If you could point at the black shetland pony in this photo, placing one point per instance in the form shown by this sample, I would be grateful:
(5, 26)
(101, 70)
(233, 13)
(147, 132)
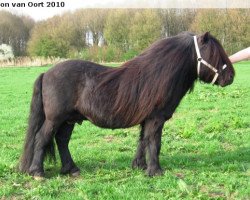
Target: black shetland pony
(145, 90)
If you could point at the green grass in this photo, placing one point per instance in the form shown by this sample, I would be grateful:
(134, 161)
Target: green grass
(205, 148)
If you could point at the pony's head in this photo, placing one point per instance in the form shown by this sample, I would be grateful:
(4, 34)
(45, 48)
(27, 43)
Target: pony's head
(213, 64)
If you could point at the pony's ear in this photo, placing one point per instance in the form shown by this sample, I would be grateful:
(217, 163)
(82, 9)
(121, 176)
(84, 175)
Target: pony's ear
(205, 37)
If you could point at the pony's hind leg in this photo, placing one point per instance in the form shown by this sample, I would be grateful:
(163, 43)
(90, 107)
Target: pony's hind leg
(140, 156)
(62, 139)
(42, 141)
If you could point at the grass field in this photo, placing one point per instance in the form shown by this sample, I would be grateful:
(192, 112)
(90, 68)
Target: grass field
(205, 148)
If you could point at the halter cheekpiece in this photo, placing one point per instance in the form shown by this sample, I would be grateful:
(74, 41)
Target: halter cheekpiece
(201, 60)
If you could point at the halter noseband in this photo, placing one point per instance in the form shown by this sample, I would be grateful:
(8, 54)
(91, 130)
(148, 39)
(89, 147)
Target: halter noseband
(201, 60)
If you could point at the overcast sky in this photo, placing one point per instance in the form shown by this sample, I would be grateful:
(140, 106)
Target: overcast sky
(70, 5)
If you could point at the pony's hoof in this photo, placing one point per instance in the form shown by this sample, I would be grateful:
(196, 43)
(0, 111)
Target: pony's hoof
(155, 172)
(73, 171)
(38, 178)
(36, 174)
(139, 164)
(75, 174)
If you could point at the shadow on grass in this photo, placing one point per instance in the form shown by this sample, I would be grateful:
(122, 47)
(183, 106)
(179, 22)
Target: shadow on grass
(220, 161)
(237, 160)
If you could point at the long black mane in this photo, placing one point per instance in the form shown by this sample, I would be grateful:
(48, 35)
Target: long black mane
(163, 71)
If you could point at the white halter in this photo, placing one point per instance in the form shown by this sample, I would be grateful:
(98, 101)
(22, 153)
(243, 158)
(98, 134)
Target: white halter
(201, 60)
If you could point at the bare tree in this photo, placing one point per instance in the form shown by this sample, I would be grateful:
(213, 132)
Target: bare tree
(14, 31)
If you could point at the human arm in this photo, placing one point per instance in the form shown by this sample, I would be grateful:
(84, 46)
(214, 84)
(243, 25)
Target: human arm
(240, 55)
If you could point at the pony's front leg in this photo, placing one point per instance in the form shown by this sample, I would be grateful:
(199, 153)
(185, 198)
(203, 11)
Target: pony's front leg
(140, 156)
(153, 133)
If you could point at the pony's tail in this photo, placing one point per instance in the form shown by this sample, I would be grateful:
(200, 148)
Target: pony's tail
(36, 120)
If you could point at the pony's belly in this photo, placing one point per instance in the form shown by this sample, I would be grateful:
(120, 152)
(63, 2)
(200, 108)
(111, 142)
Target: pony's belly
(107, 122)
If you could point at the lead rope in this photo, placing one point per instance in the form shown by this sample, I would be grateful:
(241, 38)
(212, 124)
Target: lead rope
(201, 60)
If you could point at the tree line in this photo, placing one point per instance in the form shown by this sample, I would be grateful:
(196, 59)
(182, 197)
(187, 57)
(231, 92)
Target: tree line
(118, 34)
(15, 31)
